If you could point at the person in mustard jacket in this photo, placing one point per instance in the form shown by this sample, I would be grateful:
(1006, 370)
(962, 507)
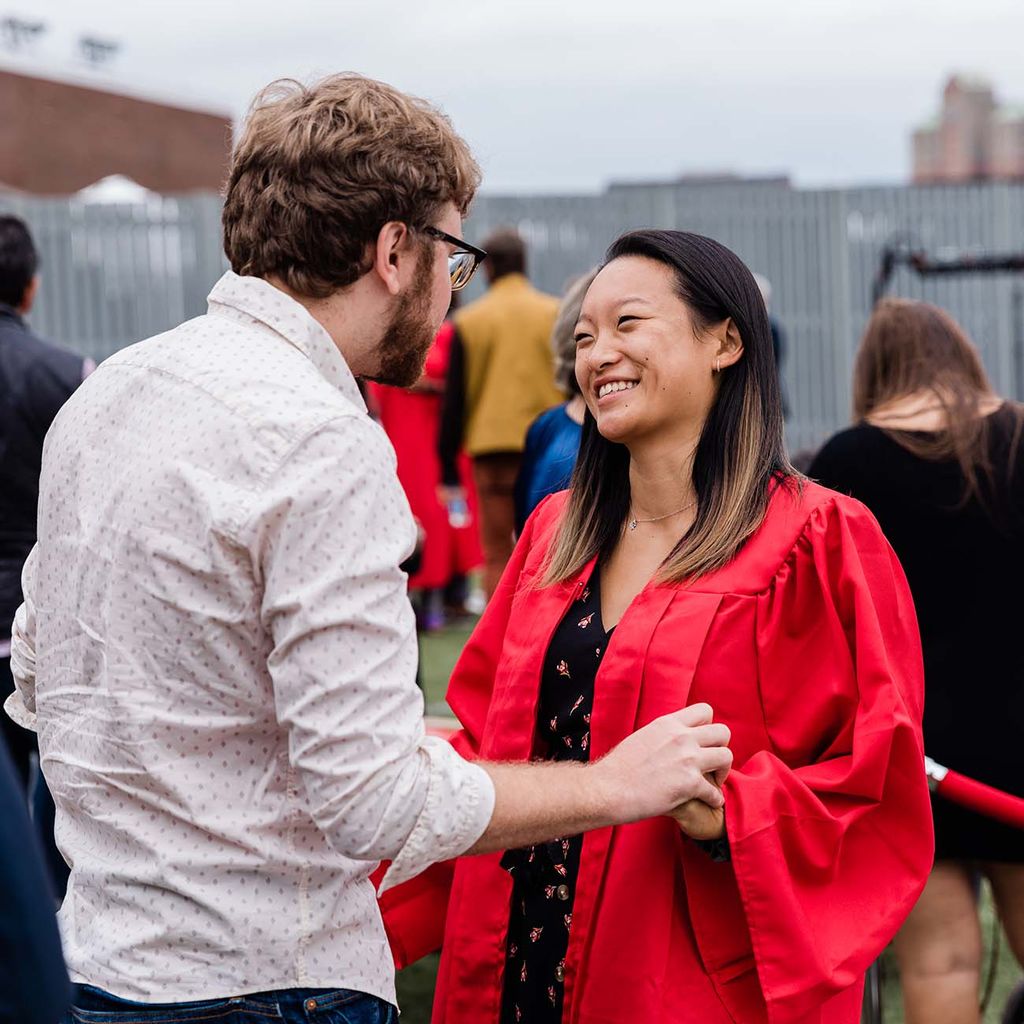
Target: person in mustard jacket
(500, 378)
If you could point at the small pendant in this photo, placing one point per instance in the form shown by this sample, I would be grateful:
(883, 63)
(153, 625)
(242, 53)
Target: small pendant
(632, 524)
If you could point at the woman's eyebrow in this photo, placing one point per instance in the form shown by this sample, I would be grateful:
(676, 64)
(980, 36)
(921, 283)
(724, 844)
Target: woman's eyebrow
(618, 304)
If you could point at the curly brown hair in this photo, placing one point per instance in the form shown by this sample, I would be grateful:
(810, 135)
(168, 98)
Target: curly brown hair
(319, 169)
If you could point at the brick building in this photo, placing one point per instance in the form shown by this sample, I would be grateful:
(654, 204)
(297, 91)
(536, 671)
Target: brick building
(59, 136)
(972, 139)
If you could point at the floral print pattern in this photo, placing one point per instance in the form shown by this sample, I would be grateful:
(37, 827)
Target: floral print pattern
(544, 876)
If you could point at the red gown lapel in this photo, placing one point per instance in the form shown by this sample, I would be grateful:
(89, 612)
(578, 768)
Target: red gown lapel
(509, 732)
(625, 672)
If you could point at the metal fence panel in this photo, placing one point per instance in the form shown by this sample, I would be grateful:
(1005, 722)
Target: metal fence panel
(115, 274)
(820, 249)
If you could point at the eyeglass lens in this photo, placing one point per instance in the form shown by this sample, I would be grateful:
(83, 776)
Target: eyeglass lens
(461, 266)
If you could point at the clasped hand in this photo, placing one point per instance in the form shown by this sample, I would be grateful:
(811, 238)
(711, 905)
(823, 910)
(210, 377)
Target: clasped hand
(674, 765)
(698, 820)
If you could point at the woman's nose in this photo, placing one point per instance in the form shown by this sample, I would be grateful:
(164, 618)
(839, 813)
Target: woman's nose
(603, 355)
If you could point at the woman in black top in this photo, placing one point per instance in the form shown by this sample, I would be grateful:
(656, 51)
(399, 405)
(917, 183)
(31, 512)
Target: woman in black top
(939, 460)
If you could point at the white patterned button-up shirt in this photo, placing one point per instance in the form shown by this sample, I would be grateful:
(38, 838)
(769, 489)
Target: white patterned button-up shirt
(218, 654)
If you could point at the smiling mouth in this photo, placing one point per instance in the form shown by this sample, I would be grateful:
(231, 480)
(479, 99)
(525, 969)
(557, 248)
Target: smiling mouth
(612, 387)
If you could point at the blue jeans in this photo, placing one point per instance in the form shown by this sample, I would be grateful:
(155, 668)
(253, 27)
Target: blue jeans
(292, 1006)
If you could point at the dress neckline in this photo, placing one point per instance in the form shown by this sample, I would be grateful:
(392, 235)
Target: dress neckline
(595, 585)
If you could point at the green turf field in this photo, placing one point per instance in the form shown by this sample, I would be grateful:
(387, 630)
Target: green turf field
(438, 653)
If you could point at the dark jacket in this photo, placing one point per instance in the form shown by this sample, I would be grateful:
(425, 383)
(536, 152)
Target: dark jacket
(34, 985)
(36, 379)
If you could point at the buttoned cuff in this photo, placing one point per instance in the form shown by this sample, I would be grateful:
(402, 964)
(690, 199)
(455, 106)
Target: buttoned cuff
(458, 808)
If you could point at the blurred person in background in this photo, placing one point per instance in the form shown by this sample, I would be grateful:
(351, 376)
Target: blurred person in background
(939, 458)
(778, 337)
(553, 440)
(411, 417)
(500, 377)
(36, 379)
(687, 562)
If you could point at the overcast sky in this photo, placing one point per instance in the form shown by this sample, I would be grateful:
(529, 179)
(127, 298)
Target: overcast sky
(567, 96)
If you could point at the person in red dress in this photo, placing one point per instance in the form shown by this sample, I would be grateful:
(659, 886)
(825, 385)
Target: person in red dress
(412, 418)
(689, 562)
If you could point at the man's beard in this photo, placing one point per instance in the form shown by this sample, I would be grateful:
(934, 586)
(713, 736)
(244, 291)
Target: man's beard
(403, 349)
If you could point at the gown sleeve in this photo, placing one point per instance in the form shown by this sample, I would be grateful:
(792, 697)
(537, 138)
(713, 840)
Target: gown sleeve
(414, 912)
(830, 827)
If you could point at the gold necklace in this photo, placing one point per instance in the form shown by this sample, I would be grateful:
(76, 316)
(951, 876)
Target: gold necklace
(655, 519)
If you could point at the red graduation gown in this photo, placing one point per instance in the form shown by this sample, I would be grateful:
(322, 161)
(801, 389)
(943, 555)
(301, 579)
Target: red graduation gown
(412, 421)
(806, 645)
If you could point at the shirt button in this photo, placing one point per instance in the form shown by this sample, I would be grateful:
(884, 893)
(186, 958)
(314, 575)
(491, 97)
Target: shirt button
(562, 892)
(559, 973)
(310, 1004)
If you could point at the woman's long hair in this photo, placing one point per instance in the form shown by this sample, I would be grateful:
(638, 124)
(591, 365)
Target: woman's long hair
(740, 451)
(916, 348)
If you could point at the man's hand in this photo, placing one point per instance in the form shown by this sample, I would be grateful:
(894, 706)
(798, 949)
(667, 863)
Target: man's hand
(661, 767)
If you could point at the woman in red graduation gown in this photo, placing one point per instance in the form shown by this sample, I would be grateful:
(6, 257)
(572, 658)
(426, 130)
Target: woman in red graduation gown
(688, 563)
(411, 418)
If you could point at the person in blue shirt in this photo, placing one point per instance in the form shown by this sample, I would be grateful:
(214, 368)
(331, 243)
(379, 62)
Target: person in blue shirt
(554, 436)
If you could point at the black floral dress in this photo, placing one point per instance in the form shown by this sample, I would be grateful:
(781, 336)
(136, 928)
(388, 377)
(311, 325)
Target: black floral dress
(544, 876)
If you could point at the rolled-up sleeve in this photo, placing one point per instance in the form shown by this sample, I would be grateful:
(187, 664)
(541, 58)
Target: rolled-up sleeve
(326, 539)
(21, 704)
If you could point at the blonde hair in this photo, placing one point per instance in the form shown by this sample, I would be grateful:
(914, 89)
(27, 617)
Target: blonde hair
(319, 169)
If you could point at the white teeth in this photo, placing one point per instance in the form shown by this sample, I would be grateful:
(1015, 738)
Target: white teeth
(615, 385)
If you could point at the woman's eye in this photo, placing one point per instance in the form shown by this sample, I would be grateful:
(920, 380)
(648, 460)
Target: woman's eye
(627, 319)
(581, 339)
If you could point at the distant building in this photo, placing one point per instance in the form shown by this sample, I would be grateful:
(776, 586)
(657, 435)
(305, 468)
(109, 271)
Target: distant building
(1008, 143)
(59, 136)
(972, 139)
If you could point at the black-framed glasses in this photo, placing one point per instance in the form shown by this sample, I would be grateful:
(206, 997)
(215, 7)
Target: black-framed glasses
(463, 262)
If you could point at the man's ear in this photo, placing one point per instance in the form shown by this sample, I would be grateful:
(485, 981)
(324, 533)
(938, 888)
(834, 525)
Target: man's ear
(730, 344)
(28, 298)
(393, 248)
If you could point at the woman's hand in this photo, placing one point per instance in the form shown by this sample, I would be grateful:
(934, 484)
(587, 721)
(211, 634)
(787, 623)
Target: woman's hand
(699, 821)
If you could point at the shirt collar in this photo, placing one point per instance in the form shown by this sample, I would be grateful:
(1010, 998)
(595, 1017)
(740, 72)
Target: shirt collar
(255, 300)
(10, 313)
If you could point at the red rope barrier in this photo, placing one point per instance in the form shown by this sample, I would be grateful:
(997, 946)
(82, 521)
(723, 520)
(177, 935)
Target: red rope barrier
(977, 796)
